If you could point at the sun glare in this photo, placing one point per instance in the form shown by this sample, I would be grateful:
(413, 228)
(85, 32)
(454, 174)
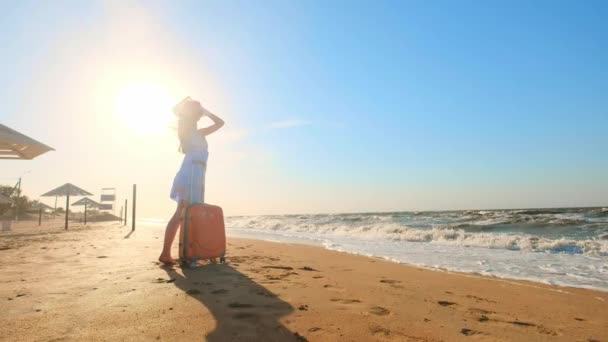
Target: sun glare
(144, 107)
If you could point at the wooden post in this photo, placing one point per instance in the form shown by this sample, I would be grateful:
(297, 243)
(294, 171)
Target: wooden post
(85, 212)
(126, 211)
(134, 204)
(40, 216)
(67, 209)
(17, 204)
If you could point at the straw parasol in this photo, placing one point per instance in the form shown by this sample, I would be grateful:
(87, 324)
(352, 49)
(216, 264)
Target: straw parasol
(68, 190)
(14, 145)
(44, 207)
(87, 202)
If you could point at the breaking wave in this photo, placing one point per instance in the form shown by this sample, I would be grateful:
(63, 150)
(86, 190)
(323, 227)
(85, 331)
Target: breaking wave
(571, 231)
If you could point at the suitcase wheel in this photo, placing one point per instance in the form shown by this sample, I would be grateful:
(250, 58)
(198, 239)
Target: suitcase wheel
(222, 260)
(192, 265)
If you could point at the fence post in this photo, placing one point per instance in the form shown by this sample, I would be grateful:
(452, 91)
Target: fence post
(67, 210)
(134, 205)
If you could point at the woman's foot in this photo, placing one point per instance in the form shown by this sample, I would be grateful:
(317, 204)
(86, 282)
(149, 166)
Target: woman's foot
(167, 260)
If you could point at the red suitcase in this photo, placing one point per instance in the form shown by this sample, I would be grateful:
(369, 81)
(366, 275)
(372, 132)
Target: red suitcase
(202, 234)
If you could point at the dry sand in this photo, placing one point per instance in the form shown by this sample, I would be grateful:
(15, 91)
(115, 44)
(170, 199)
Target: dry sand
(102, 283)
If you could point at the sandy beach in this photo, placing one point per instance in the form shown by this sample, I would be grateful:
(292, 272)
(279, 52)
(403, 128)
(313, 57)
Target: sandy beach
(103, 283)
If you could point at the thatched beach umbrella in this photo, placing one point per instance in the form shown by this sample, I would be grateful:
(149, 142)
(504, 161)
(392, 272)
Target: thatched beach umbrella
(14, 145)
(87, 202)
(44, 207)
(68, 190)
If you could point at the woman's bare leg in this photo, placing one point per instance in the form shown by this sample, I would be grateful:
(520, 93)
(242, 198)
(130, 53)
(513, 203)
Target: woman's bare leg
(170, 232)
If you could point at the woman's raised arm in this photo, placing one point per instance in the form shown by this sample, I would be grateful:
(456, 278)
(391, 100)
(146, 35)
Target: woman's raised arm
(217, 123)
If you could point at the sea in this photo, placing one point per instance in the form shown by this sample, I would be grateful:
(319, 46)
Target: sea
(560, 246)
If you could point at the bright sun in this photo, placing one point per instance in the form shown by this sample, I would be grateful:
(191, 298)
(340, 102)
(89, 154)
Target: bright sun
(144, 107)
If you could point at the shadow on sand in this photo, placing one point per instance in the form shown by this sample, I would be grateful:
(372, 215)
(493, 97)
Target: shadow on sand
(243, 309)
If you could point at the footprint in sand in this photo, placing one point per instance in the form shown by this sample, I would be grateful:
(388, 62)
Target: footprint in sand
(379, 330)
(445, 303)
(480, 311)
(280, 276)
(307, 268)
(523, 324)
(162, 281)
(480, 299)
(469, 332)
(345, 301)
(219, 291)
(303, 307)
(193, 292)
(392, 282)
(288, 268)
(379, 311)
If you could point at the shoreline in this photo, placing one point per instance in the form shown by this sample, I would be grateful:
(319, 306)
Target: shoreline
(103, 283)
(531, 283)
(507, 277)
(430, 268)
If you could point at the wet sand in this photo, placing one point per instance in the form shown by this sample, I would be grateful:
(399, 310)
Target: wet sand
(103, 283)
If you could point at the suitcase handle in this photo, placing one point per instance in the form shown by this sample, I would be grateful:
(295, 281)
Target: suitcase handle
(204, 164)
(185, 227)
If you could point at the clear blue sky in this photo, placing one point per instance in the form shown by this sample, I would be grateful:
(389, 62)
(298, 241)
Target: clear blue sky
(365, 105)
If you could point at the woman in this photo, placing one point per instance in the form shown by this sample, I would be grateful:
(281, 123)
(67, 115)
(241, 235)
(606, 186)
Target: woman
(189, 183)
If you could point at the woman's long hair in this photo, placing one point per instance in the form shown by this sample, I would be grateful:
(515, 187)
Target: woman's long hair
(187, 118)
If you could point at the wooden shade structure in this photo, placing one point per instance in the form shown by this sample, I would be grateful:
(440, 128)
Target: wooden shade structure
(44, 207)
(14, 145)
(68, 190)
(87, 202)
